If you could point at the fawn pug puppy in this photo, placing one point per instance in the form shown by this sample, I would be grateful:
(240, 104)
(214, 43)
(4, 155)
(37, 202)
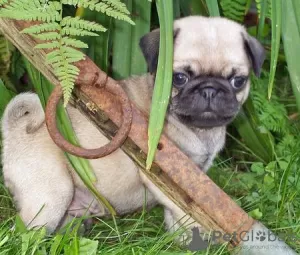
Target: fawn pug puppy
(213, 58)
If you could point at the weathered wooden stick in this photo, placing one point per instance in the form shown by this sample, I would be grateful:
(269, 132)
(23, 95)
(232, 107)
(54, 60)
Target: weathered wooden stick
(176, 175)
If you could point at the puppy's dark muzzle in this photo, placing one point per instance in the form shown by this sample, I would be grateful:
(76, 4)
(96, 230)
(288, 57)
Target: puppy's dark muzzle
(208, 93)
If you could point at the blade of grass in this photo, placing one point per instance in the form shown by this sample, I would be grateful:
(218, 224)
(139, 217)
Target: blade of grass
(163, 80)
(6, 96)
(142, 20)
(213, 7)
(291, 42)
(275, 45)
(262, 18)
(82, 166)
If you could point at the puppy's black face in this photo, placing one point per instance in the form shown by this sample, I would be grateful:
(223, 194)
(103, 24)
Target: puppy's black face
(206, 101)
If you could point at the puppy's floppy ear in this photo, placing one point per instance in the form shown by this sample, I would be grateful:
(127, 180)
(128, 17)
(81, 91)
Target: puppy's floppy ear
(256, 53)
(149, 44)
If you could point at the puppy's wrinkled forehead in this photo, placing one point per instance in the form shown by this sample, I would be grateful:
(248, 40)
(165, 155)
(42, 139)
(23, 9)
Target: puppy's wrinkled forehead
(210, 46)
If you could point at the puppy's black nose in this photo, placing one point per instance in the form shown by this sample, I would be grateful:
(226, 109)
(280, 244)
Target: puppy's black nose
(208, 92)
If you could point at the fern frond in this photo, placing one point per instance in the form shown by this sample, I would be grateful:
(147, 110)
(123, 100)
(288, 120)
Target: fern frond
(112, 9)
(57, 32)
(76, 22)
(234, 9)
(45, 27)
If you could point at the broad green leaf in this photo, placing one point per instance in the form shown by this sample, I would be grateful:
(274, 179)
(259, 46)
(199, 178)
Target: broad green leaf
(6, 96)
(88, 246)
(163, 80)
(262, 18)
(291, 43)
(276, 33)
(213, 7)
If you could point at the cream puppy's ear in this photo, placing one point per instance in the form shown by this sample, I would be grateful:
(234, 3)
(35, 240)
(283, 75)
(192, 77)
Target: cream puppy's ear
(255, 52)
(34, 169)
(149, 45)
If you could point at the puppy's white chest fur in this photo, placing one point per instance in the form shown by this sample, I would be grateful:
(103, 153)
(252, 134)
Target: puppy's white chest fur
(201, 145)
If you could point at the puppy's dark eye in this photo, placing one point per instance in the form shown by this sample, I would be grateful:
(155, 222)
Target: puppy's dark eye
(180, 79)
(238, 82)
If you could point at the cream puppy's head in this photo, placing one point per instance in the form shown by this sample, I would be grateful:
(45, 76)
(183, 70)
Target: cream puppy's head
(213, 58)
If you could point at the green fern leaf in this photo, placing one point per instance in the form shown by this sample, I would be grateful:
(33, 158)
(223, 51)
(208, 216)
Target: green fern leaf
(112, 10)
(49, 36)
(76, 22)
(45, 27)
(74, 43)
(77, 32)
(118, 5)
(234, 9)
(49, 45)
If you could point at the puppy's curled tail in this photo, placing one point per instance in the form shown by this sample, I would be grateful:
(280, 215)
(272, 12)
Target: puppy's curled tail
(23, 113)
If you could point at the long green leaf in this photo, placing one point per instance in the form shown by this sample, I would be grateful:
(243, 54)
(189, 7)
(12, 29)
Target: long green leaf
(128, 59)
(291, 43)
(213, 7)
(82, 166)
(142, 19)
(262, 18)
(276, 32)
(193, 7)
(6, 96)
(163, 81)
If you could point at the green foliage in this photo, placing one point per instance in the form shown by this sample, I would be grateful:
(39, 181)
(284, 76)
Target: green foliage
(163, 79)
(5, 55)
(260, 7)
(272, 114)
(58, 32)
(235, 10)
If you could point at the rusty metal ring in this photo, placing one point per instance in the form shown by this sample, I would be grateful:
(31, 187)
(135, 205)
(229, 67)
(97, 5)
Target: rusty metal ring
(103, 151)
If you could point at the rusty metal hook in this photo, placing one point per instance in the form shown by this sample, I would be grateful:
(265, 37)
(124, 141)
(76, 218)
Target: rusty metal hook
(103, 151)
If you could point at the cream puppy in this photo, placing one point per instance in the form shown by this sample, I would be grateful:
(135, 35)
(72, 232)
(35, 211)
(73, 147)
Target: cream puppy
(213, 58)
